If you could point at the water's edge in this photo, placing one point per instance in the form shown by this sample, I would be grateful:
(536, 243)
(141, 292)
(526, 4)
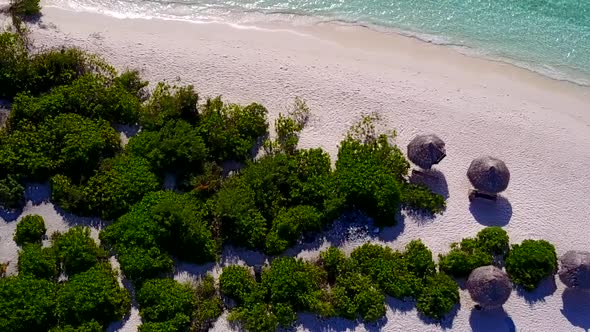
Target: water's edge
(253, 19)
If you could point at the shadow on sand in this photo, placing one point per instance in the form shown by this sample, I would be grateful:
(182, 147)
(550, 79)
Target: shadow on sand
(491, 320)
(576, 307)
(546, 288)
(490, 213)
(37, 193)
(434, 180)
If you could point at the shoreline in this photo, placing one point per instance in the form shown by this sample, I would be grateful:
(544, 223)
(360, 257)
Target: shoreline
(293, 21)
(538, 126)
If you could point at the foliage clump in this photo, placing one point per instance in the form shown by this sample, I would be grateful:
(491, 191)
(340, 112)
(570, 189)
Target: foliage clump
(119, 183)
(528, 263)
(440, 295)
(38, 262)
(12, 192)
(163, 223)
(93, 294)
(165, 305)
(76, 250)
(27, 304)
(489, 245)
(30, 229)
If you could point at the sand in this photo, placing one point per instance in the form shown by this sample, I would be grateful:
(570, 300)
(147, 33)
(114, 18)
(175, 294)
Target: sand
(539, 127)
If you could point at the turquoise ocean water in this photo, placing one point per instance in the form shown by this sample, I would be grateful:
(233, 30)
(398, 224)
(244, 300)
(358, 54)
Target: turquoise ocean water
(548, 36)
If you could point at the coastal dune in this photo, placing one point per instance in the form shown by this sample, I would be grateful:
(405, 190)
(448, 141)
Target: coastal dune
(538, 126)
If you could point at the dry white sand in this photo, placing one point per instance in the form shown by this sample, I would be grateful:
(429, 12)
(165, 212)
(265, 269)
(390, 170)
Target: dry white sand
(540, 127)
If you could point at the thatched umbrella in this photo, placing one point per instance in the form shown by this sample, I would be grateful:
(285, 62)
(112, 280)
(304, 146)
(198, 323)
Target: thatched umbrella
(574, 269)
(489, 286)
(426, 150)
(488, 174)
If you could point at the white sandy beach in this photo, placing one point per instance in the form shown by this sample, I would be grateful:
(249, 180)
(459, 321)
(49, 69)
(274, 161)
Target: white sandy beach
(538, 126)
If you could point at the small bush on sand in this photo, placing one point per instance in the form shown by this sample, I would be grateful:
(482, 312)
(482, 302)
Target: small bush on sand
(530, 262)
(440, 295)
(24, 8)
(30, 229)
(166, 302)
(38, 262)
(463, 258)
(494, 240)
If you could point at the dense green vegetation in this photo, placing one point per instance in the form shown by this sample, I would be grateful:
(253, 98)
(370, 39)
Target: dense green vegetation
(30, 229)
(471, 253)
(530, 262)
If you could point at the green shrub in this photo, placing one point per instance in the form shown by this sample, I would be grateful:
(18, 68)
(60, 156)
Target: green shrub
(162, 223)
(30, 229)
(169, 103)
(530, 262)
(176, 147)
(12, 193)
(419, 259)
(27, 304)
(119, 183)
(91, 326)
(14, 66)
(38, 262)
(463, 258)
(208, 306)
(76, 250)
(24, 7)
(494, 240)
(440, 295)
(419, 198)
(231, 131)
(166, 300)
(92, 295)
(355, 295)
(334, 262)
(256, 317)
(289, 225)
(237, 283)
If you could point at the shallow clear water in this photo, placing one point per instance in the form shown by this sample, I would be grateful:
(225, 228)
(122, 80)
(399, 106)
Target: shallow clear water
(549, 36)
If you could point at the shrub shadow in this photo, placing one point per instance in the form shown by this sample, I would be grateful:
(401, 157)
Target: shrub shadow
(398, 305)
(490, 213)
(10, 215)
(491, 320)
(232, 255)
(434, 180)
(546, 288)
(118, 325)
(128, 130)
(192, 269)
(74, 220)
(37, 193)
(312, 322)
(446, 322)
(576, 307)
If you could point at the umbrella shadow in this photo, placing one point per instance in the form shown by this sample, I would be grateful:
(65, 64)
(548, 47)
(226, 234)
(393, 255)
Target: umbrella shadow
(433, 179)
(491, 320)
(490, 213)
(576, 307)
(546, 288)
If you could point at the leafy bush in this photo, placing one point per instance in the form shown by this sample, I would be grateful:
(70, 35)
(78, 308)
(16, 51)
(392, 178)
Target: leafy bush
(24, 7)
(208, 306)
(68, 143)
(13, 64)
(176, 147)
(119, 183)
(440, 295)
(76, 250)
(166, 300)
(91, 326)
(30, 229)
(168, 103)
(530, 262)
(38, 262)
(92, 295)
(162, 223)
(463, 258)
(12, 193)
(420, 198)
(90, 95)
(365, 180)
(494, 240)
(256, 317)
(237, 283)
(355, 295)
(26, 304)
(231, 131)
(419, 259)
(334, 262)
(289, 225)
(388, 269)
